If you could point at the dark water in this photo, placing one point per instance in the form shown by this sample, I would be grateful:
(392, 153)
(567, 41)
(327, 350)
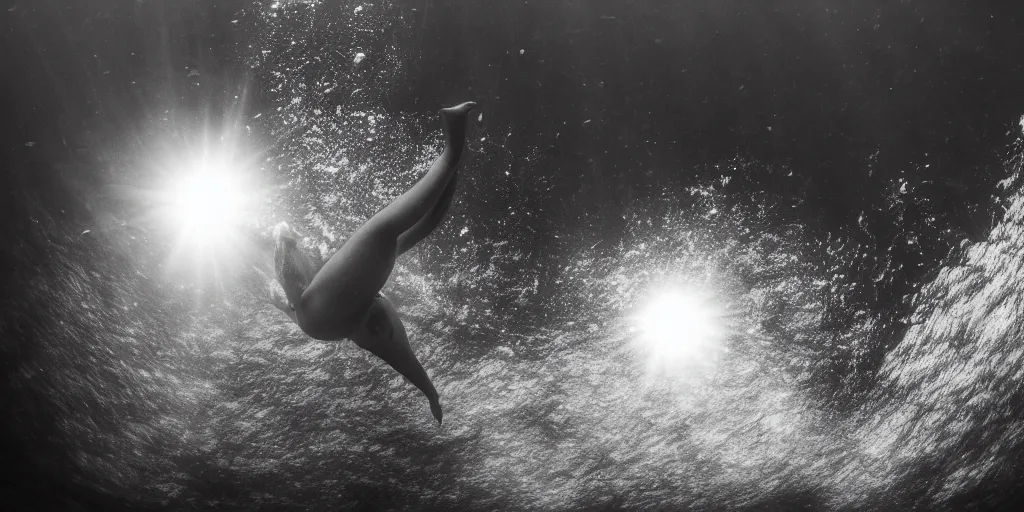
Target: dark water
(842, 180)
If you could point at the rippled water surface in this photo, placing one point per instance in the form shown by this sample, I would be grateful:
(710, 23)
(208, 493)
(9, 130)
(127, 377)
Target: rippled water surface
(843, 267)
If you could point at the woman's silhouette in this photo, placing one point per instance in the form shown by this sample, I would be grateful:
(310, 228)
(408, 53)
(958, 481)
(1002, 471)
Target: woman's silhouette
(342, 299)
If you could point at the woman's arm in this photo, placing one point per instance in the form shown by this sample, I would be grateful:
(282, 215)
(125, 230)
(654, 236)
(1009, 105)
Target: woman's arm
(281, 303)
(276, 298)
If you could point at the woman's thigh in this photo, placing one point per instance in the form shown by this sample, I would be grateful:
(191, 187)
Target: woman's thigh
(339, 294)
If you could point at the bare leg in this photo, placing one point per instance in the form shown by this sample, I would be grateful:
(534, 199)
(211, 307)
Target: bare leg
(419, 200)
(384, 336)
(339, 295)
(427, 224)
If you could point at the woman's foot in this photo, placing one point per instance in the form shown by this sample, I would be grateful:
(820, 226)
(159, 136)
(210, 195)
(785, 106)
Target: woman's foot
(455, 120)
(435, 409)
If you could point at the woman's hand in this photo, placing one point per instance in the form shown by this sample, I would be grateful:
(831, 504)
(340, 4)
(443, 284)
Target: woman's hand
(275, 297)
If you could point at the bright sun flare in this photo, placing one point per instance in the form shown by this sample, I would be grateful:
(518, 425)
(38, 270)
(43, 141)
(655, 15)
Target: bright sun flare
(206, 204)
(679, 328)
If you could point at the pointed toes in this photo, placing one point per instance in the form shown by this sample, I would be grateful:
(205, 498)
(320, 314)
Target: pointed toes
(435, 409)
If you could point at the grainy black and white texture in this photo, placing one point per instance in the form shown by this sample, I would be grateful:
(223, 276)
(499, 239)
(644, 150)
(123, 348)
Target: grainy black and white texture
(845, 177)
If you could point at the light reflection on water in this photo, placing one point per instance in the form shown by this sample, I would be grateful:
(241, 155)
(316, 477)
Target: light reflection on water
(548, 413)
(562, 413)
(584, 420)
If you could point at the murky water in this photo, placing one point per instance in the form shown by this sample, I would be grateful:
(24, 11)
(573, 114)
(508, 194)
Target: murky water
(145, 375)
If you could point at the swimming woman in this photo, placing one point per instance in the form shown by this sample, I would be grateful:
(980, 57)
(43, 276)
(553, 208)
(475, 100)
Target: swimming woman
(342, 298)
